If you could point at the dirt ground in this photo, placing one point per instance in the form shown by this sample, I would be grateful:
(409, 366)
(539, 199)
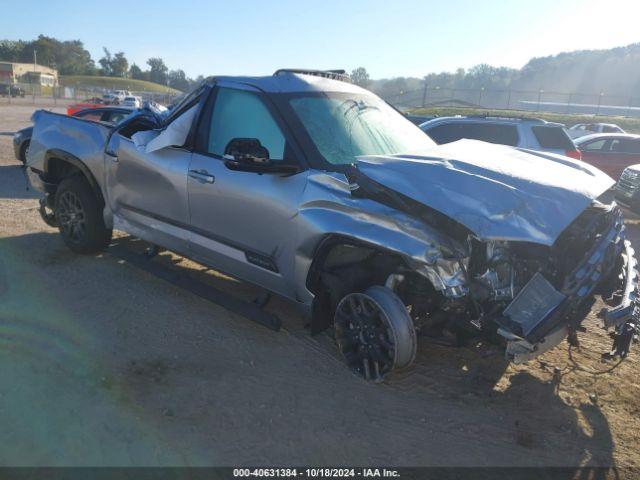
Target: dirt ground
(102, 363)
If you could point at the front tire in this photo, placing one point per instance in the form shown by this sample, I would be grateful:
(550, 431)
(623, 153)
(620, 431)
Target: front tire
(375, 333)
(79, 217)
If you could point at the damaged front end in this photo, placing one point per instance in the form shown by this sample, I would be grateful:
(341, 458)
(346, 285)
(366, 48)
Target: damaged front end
(527, 295)
(535, 296)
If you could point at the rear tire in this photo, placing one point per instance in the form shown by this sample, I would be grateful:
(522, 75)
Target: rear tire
(79, 217)
(375, 333)
(24, 150)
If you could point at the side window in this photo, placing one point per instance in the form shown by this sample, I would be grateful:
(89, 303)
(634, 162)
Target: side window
(242, 114)
(624, 145)
(494, 133)
(595, 146)
(89, 115)
(553, 137)
(445, 133)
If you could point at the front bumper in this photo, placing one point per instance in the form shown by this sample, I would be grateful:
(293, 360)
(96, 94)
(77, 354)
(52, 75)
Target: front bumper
(611, 259)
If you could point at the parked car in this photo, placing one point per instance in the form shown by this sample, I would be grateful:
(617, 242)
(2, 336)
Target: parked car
(419, 119)
(133, 102)
(628, 188)
(94, 102)
(108, 98)
(610, 152)
(120, 95)
(317, 190)
(529, 133)
(7, 90)
(582, 129)
(109, 115)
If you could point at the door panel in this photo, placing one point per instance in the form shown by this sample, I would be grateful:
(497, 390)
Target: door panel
(149, 190)
(613, 164)
(244, 223)
(611, 154)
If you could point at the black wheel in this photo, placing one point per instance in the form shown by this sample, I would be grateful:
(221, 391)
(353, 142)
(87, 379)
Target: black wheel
(24, 150)
(374, 333)
(79, 217)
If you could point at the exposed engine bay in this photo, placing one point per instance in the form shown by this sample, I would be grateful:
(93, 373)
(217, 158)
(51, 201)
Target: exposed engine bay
(522, 292)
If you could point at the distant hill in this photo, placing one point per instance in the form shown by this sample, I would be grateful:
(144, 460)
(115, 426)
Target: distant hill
(115, 83)
(614, 71)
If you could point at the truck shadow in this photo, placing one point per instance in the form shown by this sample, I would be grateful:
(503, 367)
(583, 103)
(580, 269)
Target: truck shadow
(451, 401)
(13, 183)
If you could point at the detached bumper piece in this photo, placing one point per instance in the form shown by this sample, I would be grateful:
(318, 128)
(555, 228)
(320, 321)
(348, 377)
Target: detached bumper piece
(611, 259)
(625, 318)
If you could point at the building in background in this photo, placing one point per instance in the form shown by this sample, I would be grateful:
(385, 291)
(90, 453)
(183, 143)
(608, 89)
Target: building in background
(28, 73)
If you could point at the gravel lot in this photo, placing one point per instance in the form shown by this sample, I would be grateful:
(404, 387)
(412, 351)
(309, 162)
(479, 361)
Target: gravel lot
(102, 363)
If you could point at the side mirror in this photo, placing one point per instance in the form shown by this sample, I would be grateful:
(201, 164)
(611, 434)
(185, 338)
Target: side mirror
(249, 155)
(247, 149)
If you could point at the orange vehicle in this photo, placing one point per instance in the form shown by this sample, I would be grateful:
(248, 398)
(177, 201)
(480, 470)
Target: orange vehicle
(94, 102)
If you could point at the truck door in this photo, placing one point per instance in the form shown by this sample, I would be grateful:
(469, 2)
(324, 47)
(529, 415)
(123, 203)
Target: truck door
(243, 222)
(147, 187)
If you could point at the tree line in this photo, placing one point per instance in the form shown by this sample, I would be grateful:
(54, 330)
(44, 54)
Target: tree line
(612, 72)
(70, 57)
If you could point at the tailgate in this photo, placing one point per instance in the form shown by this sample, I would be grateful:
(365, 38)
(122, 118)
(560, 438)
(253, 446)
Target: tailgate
(73, 136)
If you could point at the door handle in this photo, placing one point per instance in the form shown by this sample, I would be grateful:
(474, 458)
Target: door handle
(202, 176)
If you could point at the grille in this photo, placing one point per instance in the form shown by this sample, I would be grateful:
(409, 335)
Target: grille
(629, 181)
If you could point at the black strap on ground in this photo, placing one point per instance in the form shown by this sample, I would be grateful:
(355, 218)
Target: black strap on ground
(248, 310)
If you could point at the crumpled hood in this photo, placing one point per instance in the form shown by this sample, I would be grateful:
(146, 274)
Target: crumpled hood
(497, 192)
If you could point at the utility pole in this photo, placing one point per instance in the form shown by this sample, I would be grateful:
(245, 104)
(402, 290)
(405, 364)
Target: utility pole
(599, 103)
(539, 97)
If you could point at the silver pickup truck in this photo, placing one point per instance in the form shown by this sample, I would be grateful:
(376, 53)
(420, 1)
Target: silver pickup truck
(319, 191)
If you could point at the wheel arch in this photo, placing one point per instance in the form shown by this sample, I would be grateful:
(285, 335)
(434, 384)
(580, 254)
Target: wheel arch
(59, 164)
(324, 301)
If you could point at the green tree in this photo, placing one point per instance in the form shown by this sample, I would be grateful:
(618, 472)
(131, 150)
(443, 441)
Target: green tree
(136, 72)
(68, 57)
(157, 70)
(119, 65)
(106, 63)
(177, 79)
(360, 77)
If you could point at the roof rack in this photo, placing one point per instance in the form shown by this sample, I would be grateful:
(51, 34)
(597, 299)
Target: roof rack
(332, 74)
(506, 117)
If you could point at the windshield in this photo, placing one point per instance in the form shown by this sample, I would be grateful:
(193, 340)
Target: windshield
(343, 127)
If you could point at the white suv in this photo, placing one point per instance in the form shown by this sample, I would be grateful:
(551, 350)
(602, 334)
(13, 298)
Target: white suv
(529, 133)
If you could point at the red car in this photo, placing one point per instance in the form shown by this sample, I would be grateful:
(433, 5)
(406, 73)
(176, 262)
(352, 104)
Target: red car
(610, 152)
(94, 102)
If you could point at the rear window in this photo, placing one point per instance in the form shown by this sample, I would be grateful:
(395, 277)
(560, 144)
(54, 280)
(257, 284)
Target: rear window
(130, 99)
(553, 138)
(501, 133)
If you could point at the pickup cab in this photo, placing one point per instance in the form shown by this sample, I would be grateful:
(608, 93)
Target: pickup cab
(319, 191)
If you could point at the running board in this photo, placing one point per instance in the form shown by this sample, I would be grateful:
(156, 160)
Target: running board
(250, 310)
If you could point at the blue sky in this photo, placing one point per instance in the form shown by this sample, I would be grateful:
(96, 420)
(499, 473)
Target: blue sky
(389, 38)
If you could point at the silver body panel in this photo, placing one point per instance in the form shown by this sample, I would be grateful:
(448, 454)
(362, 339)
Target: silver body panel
(280, 220)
